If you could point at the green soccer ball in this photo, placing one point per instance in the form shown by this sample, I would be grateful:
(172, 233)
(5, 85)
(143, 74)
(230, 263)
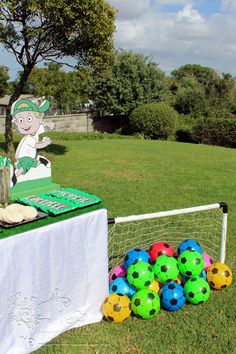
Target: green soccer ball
(197, 290)
(140, 274)
(166, 268)
(145, 304)
(191, 263)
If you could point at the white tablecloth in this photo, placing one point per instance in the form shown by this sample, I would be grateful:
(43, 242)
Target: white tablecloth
(52, 279)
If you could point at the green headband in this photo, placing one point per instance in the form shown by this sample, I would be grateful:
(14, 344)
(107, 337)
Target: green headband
(31, 106)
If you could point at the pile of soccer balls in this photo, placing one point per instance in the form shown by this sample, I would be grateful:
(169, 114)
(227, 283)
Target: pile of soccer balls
(159, 278)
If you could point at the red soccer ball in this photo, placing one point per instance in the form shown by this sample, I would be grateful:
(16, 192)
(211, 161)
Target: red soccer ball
(159, 249)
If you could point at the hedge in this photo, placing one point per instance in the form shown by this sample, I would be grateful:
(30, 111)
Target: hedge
(217, 131)
(153, 120)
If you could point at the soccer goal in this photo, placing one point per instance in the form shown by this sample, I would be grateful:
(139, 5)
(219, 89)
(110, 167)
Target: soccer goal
(207, 224)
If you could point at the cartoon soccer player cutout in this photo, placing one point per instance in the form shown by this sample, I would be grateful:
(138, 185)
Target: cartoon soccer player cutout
(28, 118)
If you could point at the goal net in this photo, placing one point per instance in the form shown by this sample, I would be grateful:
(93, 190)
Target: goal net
(207, 224)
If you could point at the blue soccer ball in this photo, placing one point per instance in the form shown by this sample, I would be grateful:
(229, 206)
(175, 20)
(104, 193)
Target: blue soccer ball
(172, 296)
(121, 286)
(135, 255)
(189, 245)
(184, 279)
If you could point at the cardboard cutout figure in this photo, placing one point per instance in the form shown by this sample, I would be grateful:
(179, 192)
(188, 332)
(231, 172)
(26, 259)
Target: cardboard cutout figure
(28, 118)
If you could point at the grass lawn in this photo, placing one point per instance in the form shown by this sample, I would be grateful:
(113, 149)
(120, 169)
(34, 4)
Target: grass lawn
(135, 176)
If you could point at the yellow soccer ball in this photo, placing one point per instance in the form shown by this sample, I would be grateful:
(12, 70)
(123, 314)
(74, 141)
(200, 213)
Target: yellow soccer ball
(117, 307)
(219, 276)
(154, 285)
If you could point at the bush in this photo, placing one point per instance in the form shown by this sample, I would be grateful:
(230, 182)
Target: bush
(218, 131)
(154, 120)
(184, 127)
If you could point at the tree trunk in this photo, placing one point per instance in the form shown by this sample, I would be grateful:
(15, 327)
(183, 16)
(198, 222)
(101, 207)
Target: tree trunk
(16, 94)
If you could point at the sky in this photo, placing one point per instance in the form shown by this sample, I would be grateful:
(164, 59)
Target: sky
(173, 33)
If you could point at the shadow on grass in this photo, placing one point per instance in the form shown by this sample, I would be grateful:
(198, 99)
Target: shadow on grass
(3, 145)
(55, 149)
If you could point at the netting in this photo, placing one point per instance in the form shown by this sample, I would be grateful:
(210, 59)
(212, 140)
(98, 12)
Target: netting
(202, 226)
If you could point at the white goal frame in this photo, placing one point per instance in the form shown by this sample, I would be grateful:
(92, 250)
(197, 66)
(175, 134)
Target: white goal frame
(223, 206)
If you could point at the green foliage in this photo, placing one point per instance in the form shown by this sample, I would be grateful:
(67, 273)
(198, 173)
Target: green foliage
(154, 120)
(53, 82)
(215, 132)
(203, 75)
(184, 125)
(34, 30)
(4, 77)
(200, 91)
(133, 79)
(190, 97)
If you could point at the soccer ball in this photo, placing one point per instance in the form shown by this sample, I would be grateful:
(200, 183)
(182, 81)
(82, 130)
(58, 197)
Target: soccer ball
(166, 268)
(189, 245)
(154, 286)
(140, 275)
(172, 296)
(159, 249)
(191, 263)
(219, 276)
(208, 261)
(121, 286)
(197, 290)
(135, 255)
(116, 272)
(184, 279)
(117, 308)
(145, 304)
(178, 279)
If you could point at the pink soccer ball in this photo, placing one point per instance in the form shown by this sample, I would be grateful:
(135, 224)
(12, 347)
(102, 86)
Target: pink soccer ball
(207, 261)
(116, 272)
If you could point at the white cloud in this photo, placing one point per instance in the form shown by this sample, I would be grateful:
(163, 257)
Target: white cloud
(171, 2)
(130, 9)
(228, 5)
(188, 14)
(178, 38)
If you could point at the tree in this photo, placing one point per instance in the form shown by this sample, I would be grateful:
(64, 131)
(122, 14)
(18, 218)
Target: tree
(201, 74)
(190, 97)
(133, 79)
(36, 30)
(200, 90)
(4, 77)
(62, 87)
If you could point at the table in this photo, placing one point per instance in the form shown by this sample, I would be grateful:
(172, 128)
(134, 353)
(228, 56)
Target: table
(52, 278)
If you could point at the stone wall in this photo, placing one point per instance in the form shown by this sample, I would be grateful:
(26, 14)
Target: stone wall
(82, 122)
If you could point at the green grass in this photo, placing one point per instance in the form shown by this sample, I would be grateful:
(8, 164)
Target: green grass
(141, 176)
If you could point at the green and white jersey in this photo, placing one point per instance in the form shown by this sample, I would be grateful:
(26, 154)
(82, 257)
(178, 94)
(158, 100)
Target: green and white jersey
(27, 146)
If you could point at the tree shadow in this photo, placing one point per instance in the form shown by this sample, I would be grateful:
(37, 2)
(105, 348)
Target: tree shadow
(55, 149)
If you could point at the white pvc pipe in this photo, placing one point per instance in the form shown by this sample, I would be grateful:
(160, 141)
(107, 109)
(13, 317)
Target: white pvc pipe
(168, 213)
(223, 237)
